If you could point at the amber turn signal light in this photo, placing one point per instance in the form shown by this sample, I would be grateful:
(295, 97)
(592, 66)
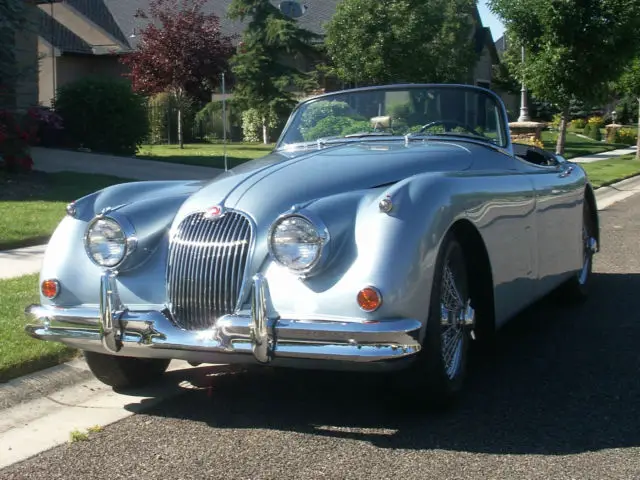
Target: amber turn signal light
(50, 288)
(369, 299)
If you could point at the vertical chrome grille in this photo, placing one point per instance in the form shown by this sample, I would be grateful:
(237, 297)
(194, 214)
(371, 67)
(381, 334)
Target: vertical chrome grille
(207, 261)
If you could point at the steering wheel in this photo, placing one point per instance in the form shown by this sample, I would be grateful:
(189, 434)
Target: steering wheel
(449, 125)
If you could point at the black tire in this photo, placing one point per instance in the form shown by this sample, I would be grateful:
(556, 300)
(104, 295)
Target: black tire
(439, 382)
(576, 289)
(123, 372)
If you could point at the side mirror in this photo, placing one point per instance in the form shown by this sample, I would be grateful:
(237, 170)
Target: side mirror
(560, 159)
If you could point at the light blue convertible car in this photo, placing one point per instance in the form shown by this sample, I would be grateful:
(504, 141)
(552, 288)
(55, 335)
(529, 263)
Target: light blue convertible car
(389, 228)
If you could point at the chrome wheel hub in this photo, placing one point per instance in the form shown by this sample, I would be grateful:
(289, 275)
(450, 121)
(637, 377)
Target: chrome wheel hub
(456, 317)
(590, 247)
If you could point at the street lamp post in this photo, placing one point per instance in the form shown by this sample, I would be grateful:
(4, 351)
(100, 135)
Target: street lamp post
(524, 110)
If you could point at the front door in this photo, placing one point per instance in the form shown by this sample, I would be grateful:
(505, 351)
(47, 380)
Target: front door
(559, 195)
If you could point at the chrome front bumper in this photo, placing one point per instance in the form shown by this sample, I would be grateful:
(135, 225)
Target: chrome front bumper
(259, 335)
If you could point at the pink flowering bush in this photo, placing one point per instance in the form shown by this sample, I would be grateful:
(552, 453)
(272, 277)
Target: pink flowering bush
(18, 133)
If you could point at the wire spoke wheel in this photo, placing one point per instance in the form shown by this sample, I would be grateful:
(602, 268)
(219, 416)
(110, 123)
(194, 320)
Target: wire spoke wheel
(456, 317)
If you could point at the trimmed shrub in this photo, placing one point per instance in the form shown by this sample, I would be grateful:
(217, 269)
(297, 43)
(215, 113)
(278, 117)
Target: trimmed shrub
(592, 131)
(104, 115)
(208, 124)
(336, 126)
(320, 110)
(252, 125)
(626, 136)
(578, 123)
(527, 139)
(596, 121)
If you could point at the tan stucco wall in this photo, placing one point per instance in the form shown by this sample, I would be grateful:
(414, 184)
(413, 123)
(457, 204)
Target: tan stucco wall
(70, 68)
(45, 73)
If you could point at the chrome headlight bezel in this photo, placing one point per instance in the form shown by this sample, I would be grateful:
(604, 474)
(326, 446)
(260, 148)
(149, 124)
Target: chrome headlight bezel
(323, 235)
(130, 238)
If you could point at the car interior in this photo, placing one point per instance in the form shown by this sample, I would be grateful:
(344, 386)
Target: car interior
(533, 154)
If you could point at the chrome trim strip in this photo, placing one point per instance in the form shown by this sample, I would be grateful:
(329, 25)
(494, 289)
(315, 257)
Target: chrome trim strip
(110, 307)
(262, 321)
(259, 334)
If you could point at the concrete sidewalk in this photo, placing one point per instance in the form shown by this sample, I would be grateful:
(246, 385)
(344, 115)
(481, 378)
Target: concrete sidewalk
(596, 157)
(21, 261)
(55, 160)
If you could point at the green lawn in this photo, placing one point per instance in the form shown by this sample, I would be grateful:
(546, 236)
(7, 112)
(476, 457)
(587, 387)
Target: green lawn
(19, 353)
(32, 205)
(576, 146)
(606, 172)
(205, 154)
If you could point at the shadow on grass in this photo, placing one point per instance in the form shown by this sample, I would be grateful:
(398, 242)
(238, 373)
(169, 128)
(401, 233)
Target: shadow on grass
(213, 161)
(42, 197)
(32, 365)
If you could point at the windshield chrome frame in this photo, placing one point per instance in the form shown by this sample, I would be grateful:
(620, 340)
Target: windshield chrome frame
(507, 149)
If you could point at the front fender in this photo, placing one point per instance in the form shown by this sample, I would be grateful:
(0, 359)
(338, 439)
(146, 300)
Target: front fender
(394, 252)
(150, 207)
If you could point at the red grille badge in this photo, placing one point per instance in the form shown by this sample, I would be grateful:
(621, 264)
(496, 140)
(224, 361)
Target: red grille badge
(213, 213)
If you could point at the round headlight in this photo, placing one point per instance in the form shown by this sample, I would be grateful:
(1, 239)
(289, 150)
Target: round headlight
(106, 242)
(296, 242)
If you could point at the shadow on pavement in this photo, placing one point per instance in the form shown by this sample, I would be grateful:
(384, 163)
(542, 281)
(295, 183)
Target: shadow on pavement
(560, 380)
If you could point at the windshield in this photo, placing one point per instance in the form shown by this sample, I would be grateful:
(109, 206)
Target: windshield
(417, 110)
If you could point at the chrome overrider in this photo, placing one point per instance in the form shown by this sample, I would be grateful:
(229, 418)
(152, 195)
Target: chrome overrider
(252, 335)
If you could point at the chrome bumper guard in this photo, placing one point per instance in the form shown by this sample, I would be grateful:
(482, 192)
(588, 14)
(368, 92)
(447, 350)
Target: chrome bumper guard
(115, 329)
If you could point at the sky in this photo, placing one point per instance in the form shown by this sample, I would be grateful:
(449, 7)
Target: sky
(490, 20)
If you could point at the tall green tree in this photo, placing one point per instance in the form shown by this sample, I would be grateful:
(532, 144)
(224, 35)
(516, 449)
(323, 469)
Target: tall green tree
(371, 42)
(573, 48)
(629, 83)
(265, 72)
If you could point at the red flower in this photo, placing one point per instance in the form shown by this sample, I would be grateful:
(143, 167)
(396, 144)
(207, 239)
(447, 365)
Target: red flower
(24, 136)
(26, 162)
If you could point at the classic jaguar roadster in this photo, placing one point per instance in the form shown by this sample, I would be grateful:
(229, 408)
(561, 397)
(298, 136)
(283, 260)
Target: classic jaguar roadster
(390, 227)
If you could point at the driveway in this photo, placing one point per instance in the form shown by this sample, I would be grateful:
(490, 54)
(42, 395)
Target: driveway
(54, 160)
(558, 397)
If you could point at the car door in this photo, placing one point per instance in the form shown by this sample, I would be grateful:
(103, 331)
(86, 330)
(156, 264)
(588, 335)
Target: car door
(504, 212)
(559, 191)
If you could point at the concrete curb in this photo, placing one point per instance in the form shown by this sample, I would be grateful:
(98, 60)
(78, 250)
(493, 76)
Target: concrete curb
(43, 383)
(607, 196)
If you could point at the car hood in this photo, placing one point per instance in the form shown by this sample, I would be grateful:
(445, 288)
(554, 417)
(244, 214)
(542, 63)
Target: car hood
(274, 183)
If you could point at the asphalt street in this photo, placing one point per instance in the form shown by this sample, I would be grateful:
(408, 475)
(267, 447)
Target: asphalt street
(558, 397)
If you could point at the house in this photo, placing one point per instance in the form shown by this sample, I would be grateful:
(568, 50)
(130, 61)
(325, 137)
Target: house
(78, 38)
